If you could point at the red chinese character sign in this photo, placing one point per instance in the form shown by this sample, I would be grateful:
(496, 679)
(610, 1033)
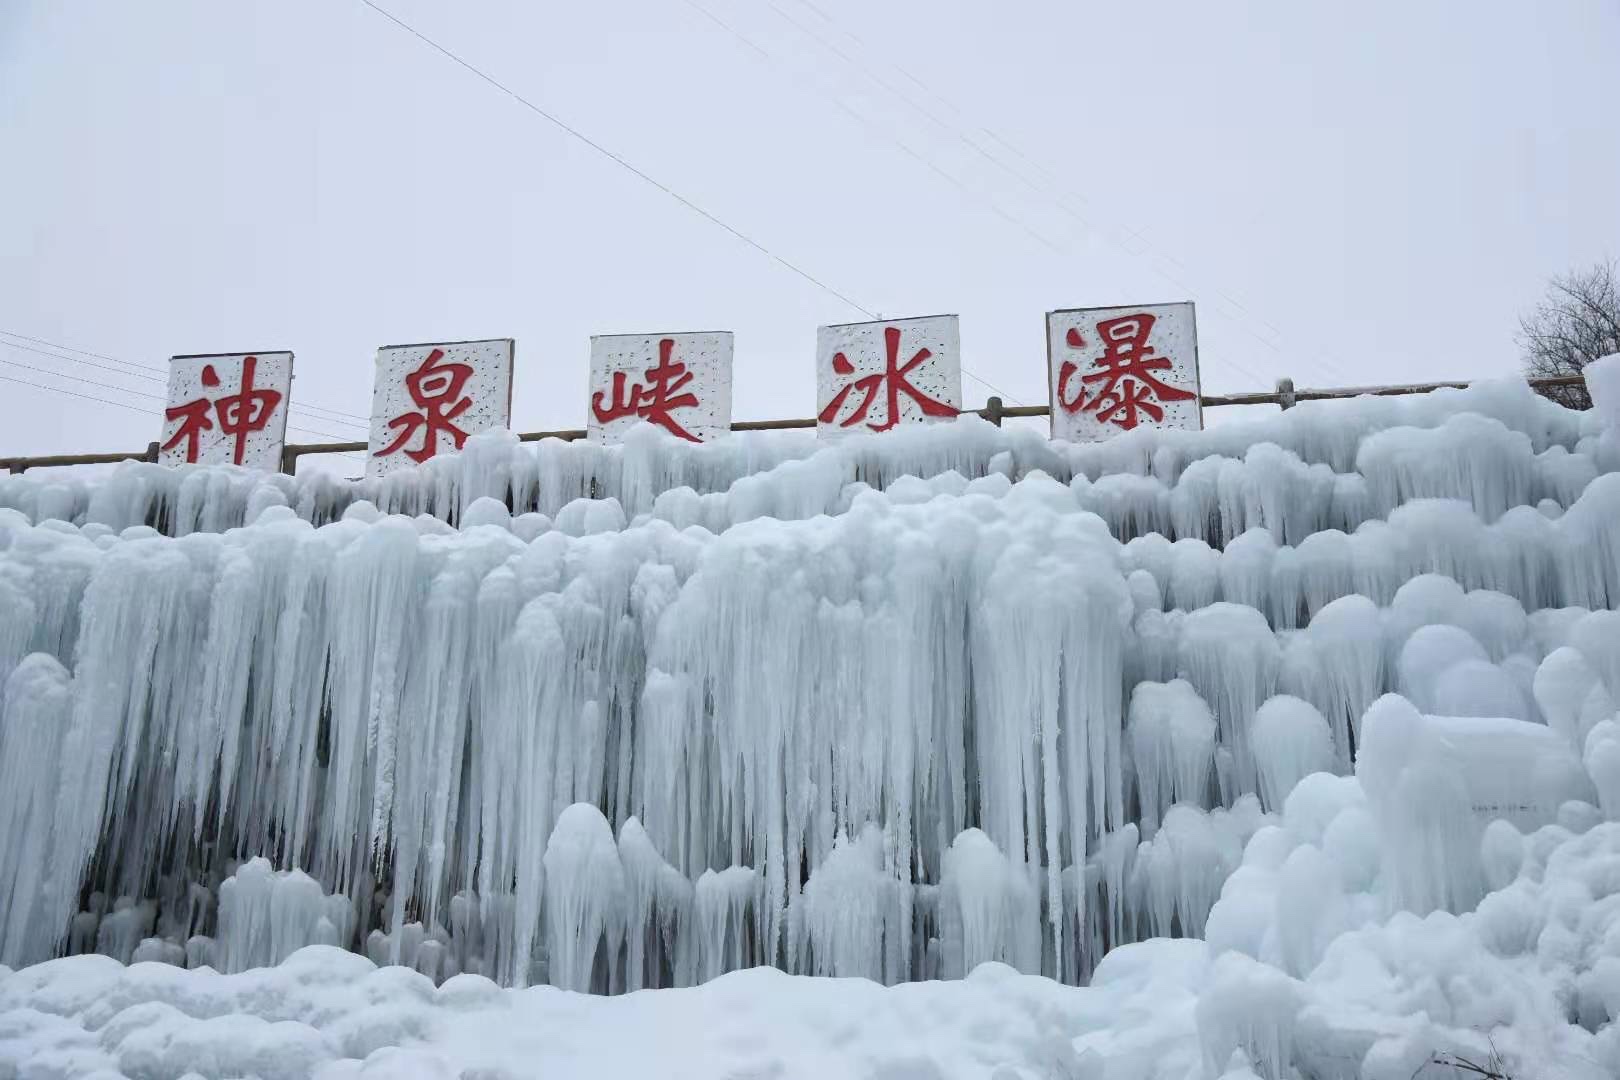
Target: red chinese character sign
(427, 399)
(227, 409)
(678, 382)
(874, 376)
(1113, 370)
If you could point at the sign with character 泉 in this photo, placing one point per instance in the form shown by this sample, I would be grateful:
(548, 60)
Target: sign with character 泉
(227, 409)
(1114, 369)
(873, 376)
(428, 398)
(679, 382)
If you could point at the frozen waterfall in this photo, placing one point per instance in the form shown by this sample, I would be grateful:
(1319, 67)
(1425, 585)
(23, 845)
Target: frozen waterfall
(613, 718)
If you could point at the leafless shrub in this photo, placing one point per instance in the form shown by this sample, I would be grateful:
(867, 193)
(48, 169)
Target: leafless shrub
(1577, 322)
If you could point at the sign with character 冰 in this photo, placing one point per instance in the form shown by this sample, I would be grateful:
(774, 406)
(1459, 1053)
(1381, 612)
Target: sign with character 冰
(227, 409)
(1115, 369)
(428, 398)
(873, 376)
(678, 382)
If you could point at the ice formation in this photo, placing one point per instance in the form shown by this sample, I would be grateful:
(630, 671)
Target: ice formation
(615, 718)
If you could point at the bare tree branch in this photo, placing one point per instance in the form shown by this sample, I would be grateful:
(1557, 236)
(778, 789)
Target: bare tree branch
(1493, 1069)
(1577, 322)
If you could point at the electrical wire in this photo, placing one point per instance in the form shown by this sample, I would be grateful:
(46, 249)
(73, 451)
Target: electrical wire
(574, 132)
(337, 415)
(119, 404)
(1123, 229)
(950, 178)
(137, 393)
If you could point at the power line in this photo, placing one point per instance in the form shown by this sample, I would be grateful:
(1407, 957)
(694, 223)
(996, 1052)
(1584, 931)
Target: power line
(915, 155)
(895, 140)
(87, 382)
(1056, 199)
(948, 177)
(81, 352)
(1128, 232)
(115, 404)
(131, 375)
(337, 415)
(70, 393)
(620, 161)
(137, 393)
(86, 363)
(615, 158)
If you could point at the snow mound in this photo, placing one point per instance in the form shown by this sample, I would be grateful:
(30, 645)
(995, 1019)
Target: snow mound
(330, 1014)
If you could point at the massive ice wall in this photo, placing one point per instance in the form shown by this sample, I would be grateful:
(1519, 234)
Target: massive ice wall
(614, 718)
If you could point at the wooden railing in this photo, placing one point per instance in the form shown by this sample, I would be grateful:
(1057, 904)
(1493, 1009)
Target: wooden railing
(994, 411)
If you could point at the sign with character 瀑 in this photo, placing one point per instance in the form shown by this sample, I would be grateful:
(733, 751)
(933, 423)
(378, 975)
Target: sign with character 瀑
(678, 382)
(874, 376)
(227, 409)
(428, 398)
(1114, 369)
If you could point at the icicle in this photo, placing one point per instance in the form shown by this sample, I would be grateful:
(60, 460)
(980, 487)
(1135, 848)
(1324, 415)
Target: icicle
(1229, 655)
(1291, 740)
(1346, 638)
(848, 909)
(40, 877)
(1602, 760)
(1252, 1008)
(989, 908)
(1435, 782)
(266, 915)
(585, 896)
(721, 904)
(658, 909)
(1172, 738)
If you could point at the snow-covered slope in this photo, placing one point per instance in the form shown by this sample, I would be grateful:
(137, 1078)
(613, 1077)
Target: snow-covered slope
(1334, 691)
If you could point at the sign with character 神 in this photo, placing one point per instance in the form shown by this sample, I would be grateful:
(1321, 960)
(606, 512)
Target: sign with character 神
(428, 398)
(679, 382)
(1115, 369)
(227, 409)
(873, 376)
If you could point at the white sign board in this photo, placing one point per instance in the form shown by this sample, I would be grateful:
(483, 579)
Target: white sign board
(1114, 369)
(872, 376)
(680, 382)
(227, 409)
(428, 398)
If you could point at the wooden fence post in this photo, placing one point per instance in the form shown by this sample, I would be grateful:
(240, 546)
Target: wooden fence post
(1285, 392)
(992, 411)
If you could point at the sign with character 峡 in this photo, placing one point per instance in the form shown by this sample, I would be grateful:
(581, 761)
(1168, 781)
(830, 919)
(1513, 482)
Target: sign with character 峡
(678, 382)
(227, 409)
(1115, 369)
(428, 398)
(874, 376)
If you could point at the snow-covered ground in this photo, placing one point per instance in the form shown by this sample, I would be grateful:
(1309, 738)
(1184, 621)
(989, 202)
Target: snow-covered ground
(1289, 748)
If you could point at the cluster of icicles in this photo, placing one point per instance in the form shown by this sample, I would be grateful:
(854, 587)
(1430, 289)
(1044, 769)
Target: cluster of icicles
(616, 718)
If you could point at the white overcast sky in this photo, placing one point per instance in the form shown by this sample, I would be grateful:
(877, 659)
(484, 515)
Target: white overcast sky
(1352, 193)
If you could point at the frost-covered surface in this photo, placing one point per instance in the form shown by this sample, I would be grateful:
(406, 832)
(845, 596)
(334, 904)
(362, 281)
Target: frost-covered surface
(1322, 465)
(1334, 691)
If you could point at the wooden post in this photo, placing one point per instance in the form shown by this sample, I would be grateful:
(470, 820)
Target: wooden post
(152, 451)
(1285, 393)
(992, 411)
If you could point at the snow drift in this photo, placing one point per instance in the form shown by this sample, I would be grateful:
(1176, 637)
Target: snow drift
(1335, 691)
